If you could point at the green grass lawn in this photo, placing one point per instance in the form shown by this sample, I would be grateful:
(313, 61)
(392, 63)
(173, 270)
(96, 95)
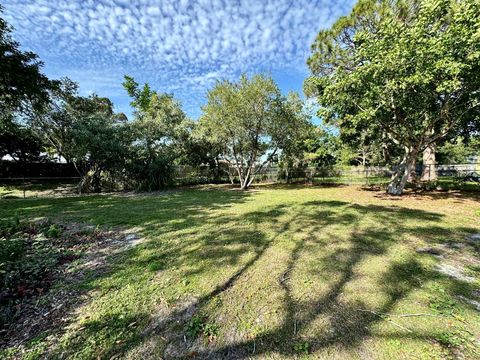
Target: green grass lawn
(275, 272)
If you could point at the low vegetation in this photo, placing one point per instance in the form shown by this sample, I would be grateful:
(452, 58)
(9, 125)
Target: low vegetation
(309, 267)
(393, 82)
(280, 272)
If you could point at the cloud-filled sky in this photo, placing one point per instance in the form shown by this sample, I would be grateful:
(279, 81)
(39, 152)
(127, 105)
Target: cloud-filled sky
(178, 46)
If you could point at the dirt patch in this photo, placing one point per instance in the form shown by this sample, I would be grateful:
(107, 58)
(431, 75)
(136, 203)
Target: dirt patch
(458, 261)
(454, 271)
(169, 323)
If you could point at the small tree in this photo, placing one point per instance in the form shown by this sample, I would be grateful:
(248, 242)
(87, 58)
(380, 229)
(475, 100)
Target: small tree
(98, 149)
(408, 68)
(252, 121)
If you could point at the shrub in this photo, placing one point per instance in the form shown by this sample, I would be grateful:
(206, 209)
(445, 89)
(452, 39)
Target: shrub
(11, 226)
(53, 231)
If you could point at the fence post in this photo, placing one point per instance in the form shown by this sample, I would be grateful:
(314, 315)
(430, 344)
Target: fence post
(24, 187)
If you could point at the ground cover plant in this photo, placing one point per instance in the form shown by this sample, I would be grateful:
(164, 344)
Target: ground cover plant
(275, 272)
(42, 267)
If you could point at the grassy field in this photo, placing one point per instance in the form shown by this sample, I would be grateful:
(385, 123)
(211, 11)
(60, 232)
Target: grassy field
(275, 272)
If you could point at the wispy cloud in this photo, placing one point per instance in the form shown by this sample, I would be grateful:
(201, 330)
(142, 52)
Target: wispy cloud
(179, 46)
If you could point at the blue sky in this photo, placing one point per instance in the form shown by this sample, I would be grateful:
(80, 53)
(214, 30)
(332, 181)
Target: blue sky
(178, 46)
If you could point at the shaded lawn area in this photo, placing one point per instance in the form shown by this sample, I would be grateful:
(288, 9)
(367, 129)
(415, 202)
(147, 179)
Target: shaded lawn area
(275, 272)
(37, 188)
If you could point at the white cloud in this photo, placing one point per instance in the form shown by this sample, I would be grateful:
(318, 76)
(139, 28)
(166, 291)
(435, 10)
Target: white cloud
(175, 44)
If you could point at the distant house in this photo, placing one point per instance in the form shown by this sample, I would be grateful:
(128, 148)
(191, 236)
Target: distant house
(474, 160)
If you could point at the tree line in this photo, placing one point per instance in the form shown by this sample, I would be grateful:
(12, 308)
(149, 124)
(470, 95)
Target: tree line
(395, 82)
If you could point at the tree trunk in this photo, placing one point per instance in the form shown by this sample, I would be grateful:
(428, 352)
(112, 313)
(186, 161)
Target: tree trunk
(402, 173)
(231, 175)
(429, 172)
(245, 182)
(412, 177)
(96, 180)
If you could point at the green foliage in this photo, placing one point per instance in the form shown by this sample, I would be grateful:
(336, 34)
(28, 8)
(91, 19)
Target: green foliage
(301, 347)
(194, 328)
(109, 152)
(54, 124)
(23, 87)
(322, 149)
(157, 137)
(457, 151)
(27, 256)
(53, 231)
(405, 70)
(441, 302)
(85, 131)
(19, 142)
(24, 90)
(11, 226)
(199, 325)
(454, 338)
(252, 122)
(141, 97)
(10, 249)
(98, 147)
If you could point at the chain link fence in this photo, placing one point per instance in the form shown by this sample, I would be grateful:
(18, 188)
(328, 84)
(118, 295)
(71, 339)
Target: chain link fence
(451, 174)
(445, 177)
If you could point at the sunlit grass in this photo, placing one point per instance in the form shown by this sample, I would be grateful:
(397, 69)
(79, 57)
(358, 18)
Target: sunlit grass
(275, 272)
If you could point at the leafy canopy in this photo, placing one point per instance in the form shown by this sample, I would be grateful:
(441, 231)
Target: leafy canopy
(407, 68)
(157, 134)
(252, 121)
(22, 85)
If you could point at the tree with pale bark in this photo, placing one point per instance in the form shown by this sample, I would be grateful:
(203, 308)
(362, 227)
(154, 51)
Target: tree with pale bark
(409, 68)
(253, 122)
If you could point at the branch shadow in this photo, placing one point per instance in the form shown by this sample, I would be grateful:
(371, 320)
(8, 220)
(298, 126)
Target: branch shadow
(246, 233)
(348, 324)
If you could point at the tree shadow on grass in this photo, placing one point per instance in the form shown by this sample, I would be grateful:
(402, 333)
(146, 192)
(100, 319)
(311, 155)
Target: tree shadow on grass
(458, 195)
(178, 211)
(349, 325)
(223, 249)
